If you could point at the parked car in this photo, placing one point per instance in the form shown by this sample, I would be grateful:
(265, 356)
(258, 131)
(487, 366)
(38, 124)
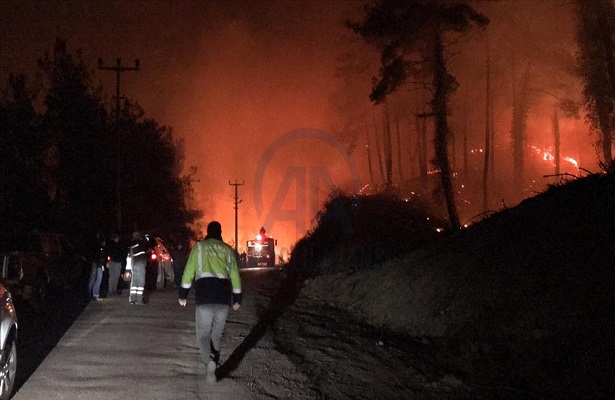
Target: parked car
(8, 341)
(159, 268)
(25, 274)
(64, 264)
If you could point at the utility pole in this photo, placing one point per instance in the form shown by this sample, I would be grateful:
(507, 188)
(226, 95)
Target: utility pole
(118, 69)
(237, 201)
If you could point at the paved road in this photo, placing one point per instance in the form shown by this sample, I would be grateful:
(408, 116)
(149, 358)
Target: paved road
(115, 350)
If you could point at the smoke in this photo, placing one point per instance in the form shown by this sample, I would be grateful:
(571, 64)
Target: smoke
(257, 75)
(233, 78)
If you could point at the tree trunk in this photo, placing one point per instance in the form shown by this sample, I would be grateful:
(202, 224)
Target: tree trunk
(604, 117)
(388, 150)
(413, 145)
(556, 138)
(518, 131)
(369, 156)
(421, 148)
(440, 110)
(421, 129)
(487, 134)
(607, 43)
(378, 153)
(492, 130)
(399, 166)
(466, 168)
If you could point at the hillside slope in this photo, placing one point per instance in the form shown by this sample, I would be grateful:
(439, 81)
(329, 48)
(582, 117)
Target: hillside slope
(525, 298)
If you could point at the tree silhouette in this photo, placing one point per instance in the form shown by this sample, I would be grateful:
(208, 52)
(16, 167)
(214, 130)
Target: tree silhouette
(59, 166)
(595, 35)
(23, 195)
(79, 139)
(410, 35)
(152, 169)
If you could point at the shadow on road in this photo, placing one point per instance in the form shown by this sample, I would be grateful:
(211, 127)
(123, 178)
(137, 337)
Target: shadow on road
(285, 296)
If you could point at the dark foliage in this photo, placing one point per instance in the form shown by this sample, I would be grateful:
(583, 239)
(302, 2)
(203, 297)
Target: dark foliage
(60, 167)
(596, 58)
(79, 139)
(404, 31)
(22, 145)
(361, 231)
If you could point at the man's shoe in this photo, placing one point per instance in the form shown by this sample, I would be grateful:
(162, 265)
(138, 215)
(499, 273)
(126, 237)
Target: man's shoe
(211, 372)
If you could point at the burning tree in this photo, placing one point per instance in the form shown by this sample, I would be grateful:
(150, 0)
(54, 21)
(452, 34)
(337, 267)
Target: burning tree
(410, 36)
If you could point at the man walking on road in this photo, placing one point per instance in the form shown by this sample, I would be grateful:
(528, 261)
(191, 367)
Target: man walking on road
(213, 268)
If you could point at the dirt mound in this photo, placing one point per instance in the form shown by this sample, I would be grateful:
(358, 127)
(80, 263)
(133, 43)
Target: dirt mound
(361, 231)
(527, 294)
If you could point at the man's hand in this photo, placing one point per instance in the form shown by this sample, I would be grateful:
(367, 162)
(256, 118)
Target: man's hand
(182, 302)
(236, 306)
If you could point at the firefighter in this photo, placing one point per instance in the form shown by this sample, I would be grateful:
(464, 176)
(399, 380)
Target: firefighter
(138, 260)
(213, 268)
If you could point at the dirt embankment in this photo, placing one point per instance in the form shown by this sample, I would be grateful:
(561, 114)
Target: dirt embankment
(527, 294)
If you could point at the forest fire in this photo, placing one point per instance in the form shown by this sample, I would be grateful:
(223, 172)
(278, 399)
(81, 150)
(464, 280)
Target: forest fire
(547, 155)
(246, 82)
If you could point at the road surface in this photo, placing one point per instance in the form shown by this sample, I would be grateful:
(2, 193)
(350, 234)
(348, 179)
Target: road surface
(277, 346)
(115, 350)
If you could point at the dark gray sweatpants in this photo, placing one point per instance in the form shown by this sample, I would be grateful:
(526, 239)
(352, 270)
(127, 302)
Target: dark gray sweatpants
(210, 320)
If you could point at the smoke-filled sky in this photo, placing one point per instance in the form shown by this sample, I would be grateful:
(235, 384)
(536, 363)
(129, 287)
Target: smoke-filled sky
(251, 87)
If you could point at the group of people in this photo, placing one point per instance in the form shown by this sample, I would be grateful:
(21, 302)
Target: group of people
(106, 255)
(211, 268)
(128, 262)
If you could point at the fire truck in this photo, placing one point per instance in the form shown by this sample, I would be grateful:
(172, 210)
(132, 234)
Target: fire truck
(261, 250)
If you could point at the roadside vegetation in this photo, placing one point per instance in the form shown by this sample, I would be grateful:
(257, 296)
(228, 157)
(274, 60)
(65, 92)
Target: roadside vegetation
(63, 148)
(355, 232)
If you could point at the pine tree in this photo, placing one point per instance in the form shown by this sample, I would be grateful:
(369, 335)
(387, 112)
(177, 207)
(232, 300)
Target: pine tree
(410, 36)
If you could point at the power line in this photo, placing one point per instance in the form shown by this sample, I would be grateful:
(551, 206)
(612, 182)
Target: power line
(118, 69)
(236, 202)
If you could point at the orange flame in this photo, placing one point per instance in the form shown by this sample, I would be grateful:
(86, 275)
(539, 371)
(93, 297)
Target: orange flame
(572, 161)
(547, 155)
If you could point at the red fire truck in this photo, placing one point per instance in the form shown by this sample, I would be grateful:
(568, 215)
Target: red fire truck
(261, 250)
